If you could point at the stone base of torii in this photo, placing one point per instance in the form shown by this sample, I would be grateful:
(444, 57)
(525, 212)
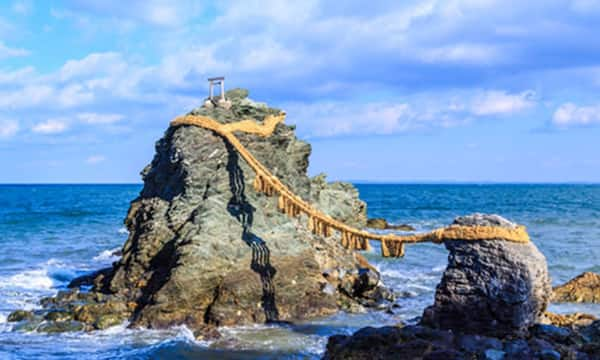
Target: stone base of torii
(219, 101)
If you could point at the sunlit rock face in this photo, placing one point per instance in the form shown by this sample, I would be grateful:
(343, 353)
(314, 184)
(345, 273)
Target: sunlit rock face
(205, 248)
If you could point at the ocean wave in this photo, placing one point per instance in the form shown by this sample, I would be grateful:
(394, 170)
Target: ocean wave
(2, 318)
(47, 276)
(123, 231)
(29, 279)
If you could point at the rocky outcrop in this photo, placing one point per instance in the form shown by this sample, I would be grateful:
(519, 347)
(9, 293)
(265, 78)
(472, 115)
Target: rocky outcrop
(421, 342)
(489, 305)
(574, 320)
(205, 249)
(585, 288)
(492, 288)
(382, 224)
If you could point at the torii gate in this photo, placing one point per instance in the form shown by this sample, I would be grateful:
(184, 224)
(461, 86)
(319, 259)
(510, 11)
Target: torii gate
(219, 80)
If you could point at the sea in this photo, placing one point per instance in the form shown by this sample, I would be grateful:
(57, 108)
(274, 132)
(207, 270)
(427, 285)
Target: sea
(50, 234)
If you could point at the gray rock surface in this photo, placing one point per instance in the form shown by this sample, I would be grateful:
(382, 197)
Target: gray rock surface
(494, 287)
(205, 249)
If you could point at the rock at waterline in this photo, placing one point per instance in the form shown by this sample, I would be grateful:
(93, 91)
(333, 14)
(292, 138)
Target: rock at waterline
(487, 307)
(585, 288)
(494, 287)
(204, 249)
(382, 224)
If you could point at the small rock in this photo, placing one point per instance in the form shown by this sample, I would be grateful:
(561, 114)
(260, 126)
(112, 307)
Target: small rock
(60, 327)
(493, 354)
(550, 355)
(58, 316)
(477, 344)
(569, 320)
(20, 315)
(382, 224)
(517, 348)
(551, 332)
(106, 321)
(585, 288)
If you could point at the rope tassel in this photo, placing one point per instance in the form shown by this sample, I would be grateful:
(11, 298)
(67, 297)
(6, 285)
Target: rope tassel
(391, 248)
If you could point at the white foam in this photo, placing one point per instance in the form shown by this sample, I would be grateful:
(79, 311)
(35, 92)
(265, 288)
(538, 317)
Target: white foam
(107, 255)
(30, 279)
(123, 231)
(439, 268)
(2, 318)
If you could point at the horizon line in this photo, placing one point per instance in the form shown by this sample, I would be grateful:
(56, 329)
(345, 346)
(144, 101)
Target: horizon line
(358, 182)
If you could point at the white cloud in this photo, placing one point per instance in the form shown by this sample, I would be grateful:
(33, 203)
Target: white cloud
(22, 7)
(93, 65)
(26, 96)
(96, 118)
(569, 114)
(6, 52)
(153, 12)
(51, 126)
(95, 159)
(18, 76)
(8, 128)
(419, 112)
(463, 53)
(501, 102)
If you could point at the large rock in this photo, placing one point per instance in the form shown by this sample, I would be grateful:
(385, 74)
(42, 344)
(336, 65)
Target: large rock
(493, 287)
(421, 342)
(585, 288)
(205, 249)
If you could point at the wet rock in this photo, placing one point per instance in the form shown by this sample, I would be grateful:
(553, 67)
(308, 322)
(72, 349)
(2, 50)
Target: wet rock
(569, 320)
(550, 355)
(493, 288)
(382, 224)
(58, 316)
(551, 332)
(585, 288)
(105, 321)
(365, 286)
(493, 354)
(20, 315)
(88, 279)
(60, 326)
(28, 325)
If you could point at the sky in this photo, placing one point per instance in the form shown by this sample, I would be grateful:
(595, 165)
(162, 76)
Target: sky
(392, 91)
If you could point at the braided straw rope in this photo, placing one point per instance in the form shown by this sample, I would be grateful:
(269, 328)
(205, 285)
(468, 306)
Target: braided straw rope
(321, 224)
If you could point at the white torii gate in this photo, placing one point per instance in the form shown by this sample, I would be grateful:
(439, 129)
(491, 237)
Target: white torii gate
(219, 80)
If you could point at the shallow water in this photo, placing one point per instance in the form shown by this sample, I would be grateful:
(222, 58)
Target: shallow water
(52, 233)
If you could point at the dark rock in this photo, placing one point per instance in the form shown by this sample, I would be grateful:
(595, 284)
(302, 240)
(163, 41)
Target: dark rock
(493, 354)
(20, 315)
(493, 288)
(60, 327)
(585, 288)
(550, 355)
(551, 332)
(88, 279)
(477, 344)
(517, 349)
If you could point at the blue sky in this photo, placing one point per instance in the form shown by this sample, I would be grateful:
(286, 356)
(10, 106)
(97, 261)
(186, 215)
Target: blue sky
(448, 90)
